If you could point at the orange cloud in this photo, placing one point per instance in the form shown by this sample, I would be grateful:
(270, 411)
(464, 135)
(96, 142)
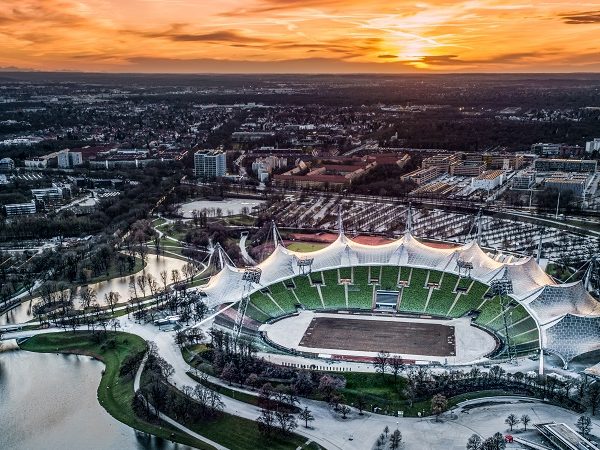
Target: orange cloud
(299, 35)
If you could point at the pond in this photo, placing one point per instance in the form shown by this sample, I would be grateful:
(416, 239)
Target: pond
(154, 265)
(49, 401)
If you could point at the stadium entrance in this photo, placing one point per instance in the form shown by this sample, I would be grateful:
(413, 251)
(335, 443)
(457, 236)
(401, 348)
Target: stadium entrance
(386, 300)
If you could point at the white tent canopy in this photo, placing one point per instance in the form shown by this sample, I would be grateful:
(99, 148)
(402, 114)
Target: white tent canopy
(568, 317)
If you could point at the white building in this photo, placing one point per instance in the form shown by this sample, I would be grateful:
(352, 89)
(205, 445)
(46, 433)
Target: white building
(6, 165)
(210, 164)
(592, 146)
(488, 180)
(16, 209)
(263, 167)
(36, 163)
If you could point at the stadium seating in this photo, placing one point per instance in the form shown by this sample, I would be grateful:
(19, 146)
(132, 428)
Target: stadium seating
(490, 312)
(471, 300)
(334, 295)
(316, 277)
(345, 273)
(434, 276)
(415, 295)
(360, 276)
(253, 312)
(360, 296)
(463, 284)
(374, 274)
(389, 277)
(404, 274)
(284, 297)
(442, 299)
(264, 303)
(307, 294)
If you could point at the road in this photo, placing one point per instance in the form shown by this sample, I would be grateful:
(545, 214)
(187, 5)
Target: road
(483, 416)
(244, 250)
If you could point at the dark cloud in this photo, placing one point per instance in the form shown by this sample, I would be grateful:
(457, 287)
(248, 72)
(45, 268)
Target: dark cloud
(176, 33)
(387, 56)
(267, 6)
(581, 18)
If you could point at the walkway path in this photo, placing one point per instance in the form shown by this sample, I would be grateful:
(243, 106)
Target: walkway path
(244, 250)
(164, 417)
(482, 416)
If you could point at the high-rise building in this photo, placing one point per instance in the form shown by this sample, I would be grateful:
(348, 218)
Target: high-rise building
(210, 164)
(592, 146)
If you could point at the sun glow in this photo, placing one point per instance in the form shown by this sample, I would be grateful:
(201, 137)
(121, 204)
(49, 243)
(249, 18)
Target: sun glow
(296, 36)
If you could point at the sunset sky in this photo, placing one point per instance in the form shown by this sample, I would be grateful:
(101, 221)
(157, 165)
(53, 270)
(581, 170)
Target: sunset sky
(300, 36)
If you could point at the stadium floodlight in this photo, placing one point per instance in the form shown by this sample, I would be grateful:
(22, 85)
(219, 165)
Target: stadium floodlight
(303, 261)
(304, 264)
(467, 266)
(502, 286)
(252, 275)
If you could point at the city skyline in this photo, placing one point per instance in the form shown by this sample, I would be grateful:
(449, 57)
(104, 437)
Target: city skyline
(279, 36)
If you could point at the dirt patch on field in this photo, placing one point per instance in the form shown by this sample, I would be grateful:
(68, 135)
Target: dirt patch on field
(427, 339)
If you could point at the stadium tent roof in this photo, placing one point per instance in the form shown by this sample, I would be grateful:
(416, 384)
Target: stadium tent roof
(568, 318)
(571, 336)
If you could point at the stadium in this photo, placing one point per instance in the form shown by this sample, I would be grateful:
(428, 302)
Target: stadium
(439, 304)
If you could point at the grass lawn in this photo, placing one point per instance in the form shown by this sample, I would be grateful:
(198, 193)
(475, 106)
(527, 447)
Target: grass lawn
(378, 390)
(241, 220)
(241, 396)
(242, 434)
(237, 433)
(452, 401)
(306, 246)
(114, 393)
(158, 222)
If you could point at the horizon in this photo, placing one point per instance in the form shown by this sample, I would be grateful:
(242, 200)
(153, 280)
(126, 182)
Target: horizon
(299, 37)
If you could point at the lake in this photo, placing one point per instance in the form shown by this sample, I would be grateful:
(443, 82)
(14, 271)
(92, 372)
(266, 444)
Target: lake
(49, 401)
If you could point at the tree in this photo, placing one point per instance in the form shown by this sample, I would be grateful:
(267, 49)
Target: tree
(592, 397)
(112, 298)
(361, 402)
(511, 421)
(396, 365)
(439, 403)
(584, 425)
(87, 296)
(286, 421)
(306, 415)
(344, 410)
(496, 442)
(381, 362)
(474, 442)
(266, 422)
(395, 439)
(142, 282)
(525, 419)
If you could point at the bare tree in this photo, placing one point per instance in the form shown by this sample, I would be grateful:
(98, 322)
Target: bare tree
(164, 277)
(511, 421)
(141, 282)
(584, 425)
(111, 299)
(87, 296)
(306, 415)
(381, 362)
(396, 365)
